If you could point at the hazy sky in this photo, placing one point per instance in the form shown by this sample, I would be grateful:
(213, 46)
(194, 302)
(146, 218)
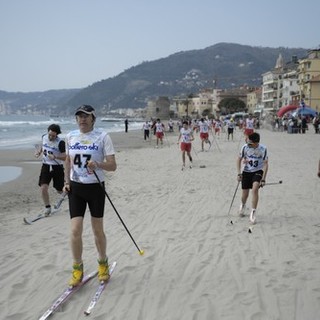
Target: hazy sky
(58, 44)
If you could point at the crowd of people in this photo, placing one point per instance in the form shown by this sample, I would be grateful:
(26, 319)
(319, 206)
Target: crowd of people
(295, 124)
(251, 164)
(77, 167)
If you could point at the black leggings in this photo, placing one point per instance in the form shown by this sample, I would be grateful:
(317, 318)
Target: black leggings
(82, 194)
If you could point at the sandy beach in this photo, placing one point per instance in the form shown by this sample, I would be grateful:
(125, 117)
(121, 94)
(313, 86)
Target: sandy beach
(197, 265)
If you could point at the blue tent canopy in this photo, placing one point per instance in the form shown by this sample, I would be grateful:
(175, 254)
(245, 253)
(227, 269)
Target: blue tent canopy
(306, 111)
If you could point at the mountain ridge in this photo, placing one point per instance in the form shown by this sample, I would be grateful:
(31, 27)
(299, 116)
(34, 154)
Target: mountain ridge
(223, 65)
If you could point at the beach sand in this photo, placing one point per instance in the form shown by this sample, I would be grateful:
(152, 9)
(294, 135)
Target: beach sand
(197, 265)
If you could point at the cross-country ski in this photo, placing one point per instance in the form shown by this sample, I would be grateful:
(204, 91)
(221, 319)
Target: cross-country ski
(99, 291)
(67, 293)
(55, 210)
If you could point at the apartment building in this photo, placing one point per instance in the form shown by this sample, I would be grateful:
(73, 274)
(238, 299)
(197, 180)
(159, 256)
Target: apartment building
(280, 85)
(309, 79)
(254, 100)
(288, 84)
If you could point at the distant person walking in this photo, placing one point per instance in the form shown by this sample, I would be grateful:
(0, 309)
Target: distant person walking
(203, 126)
(186, 136)
(217, 127)
(53, 150)
(146, 130)
(159, 131)
(253, 176)
(249, 126)
(126, 125)
(230, 126)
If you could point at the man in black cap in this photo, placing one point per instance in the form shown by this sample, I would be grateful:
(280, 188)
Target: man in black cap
(89, 152)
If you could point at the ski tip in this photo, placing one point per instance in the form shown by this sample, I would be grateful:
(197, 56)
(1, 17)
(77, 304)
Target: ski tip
(26, 221)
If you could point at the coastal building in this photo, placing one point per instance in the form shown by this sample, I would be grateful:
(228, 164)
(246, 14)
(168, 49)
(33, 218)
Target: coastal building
(202, 104)
(254, 100)
(280, 85)
(158, 108)
(309, 83)
(185, 106)
(196, 106)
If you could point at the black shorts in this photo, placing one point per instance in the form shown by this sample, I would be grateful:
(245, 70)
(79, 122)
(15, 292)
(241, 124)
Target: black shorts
(230, 130)
(54, 172)
(82, 194)
(248, 178)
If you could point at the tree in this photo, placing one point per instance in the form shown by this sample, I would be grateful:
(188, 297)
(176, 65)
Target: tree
(231, 105)
(207, 113)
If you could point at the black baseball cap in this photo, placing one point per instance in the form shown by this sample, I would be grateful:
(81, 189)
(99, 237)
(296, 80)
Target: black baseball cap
(87, 109)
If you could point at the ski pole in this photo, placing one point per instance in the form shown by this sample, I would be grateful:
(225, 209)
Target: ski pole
(116, 211)
(214, 140)
(273, 183)
(165, 136)
(235, 192)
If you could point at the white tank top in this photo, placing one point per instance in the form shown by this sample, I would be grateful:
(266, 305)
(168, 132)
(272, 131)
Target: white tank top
(186, 135)
(250, 123)
(204, 127)
(82, 147)
(254, 157)
(51, 147)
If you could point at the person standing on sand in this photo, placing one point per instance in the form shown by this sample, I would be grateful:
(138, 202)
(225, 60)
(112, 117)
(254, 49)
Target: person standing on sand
(187, 137)
(90, 152)
(146, 130)
(53, 152)
(203, 126)
(230, 125)
(159, 131)
(253, 176)
(249, 125)
(126, 125)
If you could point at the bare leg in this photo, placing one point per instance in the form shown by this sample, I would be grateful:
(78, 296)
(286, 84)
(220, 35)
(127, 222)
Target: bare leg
(76, 239)
(183, 157)
(244, 197)
(45, 194)
(99, 237)
(255, 195)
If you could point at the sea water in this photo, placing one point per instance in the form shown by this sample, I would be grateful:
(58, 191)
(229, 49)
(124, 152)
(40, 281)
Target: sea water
(8, 173)
(24, 131)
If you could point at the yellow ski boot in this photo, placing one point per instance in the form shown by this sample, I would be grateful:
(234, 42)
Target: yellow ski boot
(77, 275)
(103, 270)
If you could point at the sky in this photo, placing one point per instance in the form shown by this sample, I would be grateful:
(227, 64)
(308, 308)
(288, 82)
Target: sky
(64, 44)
